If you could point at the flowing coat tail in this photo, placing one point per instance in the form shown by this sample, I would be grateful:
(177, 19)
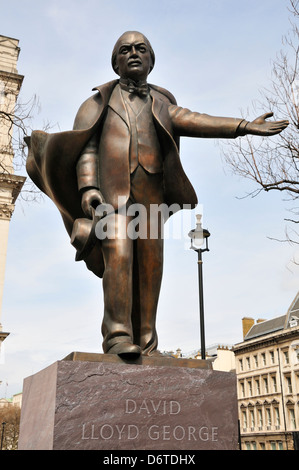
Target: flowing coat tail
(51, 164)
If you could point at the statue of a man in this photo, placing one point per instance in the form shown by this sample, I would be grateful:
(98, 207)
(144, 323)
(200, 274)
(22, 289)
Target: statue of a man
(125, 146)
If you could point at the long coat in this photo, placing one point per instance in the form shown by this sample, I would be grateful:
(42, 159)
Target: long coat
(52, 158)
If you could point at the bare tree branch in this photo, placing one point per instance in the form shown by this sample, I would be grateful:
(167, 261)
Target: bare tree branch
(15, 124)
(273, 162)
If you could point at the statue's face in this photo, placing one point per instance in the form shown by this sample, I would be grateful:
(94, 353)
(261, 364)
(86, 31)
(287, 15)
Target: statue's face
(133, 58)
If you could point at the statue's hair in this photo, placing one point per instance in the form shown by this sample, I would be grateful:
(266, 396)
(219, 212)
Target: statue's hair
(114, 52)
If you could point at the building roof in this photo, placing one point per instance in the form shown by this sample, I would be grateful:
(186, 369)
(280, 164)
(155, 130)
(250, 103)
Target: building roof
(266, 327)
(290, 319)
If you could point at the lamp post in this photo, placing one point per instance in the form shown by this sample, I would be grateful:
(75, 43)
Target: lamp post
(199, 237)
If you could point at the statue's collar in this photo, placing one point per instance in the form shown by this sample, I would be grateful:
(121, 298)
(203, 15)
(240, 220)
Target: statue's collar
(140, 88)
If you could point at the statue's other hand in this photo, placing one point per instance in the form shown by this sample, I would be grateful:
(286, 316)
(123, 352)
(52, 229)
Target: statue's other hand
(91, 199)
(265, 128)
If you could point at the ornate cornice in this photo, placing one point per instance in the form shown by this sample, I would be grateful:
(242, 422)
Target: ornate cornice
(3, 336)
(264, 341)
(6, 211)
(11, 77)
(12, 182)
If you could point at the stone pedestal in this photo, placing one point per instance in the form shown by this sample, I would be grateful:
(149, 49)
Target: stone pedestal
(98, 402)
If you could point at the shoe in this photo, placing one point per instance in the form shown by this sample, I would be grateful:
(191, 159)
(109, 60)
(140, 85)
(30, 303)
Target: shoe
(157, 353)
(125, 350)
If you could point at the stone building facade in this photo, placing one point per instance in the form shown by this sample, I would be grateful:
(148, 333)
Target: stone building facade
(10, 183)
(267, 368)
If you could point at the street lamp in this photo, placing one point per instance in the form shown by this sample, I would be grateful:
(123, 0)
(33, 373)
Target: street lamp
(199, 237)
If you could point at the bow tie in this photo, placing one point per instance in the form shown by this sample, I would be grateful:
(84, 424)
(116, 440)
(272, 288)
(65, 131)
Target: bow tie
(135, 88)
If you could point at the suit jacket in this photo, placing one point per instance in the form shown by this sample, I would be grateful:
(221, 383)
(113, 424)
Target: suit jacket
(177, 186)
(170, 121)
(52, 158)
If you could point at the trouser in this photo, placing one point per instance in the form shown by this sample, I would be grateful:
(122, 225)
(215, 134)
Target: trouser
(133, 268)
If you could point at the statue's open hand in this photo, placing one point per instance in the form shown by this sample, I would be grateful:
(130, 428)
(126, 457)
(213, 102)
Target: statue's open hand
(91, 199)
(262, 127)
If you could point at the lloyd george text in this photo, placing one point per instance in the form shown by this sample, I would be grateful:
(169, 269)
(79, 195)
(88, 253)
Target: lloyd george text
(135, 409)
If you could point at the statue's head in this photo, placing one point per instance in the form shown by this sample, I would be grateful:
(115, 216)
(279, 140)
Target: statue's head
(133, 56)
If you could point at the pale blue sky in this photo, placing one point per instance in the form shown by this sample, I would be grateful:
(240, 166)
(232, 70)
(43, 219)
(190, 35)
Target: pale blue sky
(214, 57)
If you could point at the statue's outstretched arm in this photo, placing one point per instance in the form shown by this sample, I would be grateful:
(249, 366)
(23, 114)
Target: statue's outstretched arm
(193, 124)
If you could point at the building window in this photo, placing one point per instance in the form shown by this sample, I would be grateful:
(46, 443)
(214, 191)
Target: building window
(260, 419)
(241, 364)
(252, 420)
(268, 415)
(242, 389)
(250, 388)
(273, 445)
(244, 416)
(274, 383)
(248, 362)
(266, 385)
(257, 383)
(272, 357)
(264, 359)
(256, 362)
(277, 417)
(286, 357)
(262, 446)
(292, 418)
(248, 447)
(289, 384)
(280, 445)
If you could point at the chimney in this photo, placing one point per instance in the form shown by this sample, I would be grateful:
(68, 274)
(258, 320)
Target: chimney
(247, 323)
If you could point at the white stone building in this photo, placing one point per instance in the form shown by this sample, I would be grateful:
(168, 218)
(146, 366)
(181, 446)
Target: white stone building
(267, 367)
(10, 184)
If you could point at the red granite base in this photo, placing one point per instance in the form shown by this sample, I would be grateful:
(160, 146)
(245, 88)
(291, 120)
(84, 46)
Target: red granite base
(98, 404)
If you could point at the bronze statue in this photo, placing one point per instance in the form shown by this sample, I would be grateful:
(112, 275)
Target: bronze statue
(125, 144)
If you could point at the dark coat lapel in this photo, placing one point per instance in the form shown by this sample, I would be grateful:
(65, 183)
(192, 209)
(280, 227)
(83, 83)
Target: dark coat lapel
(116, 102)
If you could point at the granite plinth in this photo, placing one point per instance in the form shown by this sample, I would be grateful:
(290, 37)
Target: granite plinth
(102, 404)
(169, 361)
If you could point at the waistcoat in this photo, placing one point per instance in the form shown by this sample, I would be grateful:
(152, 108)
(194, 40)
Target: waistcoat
(144, 145)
